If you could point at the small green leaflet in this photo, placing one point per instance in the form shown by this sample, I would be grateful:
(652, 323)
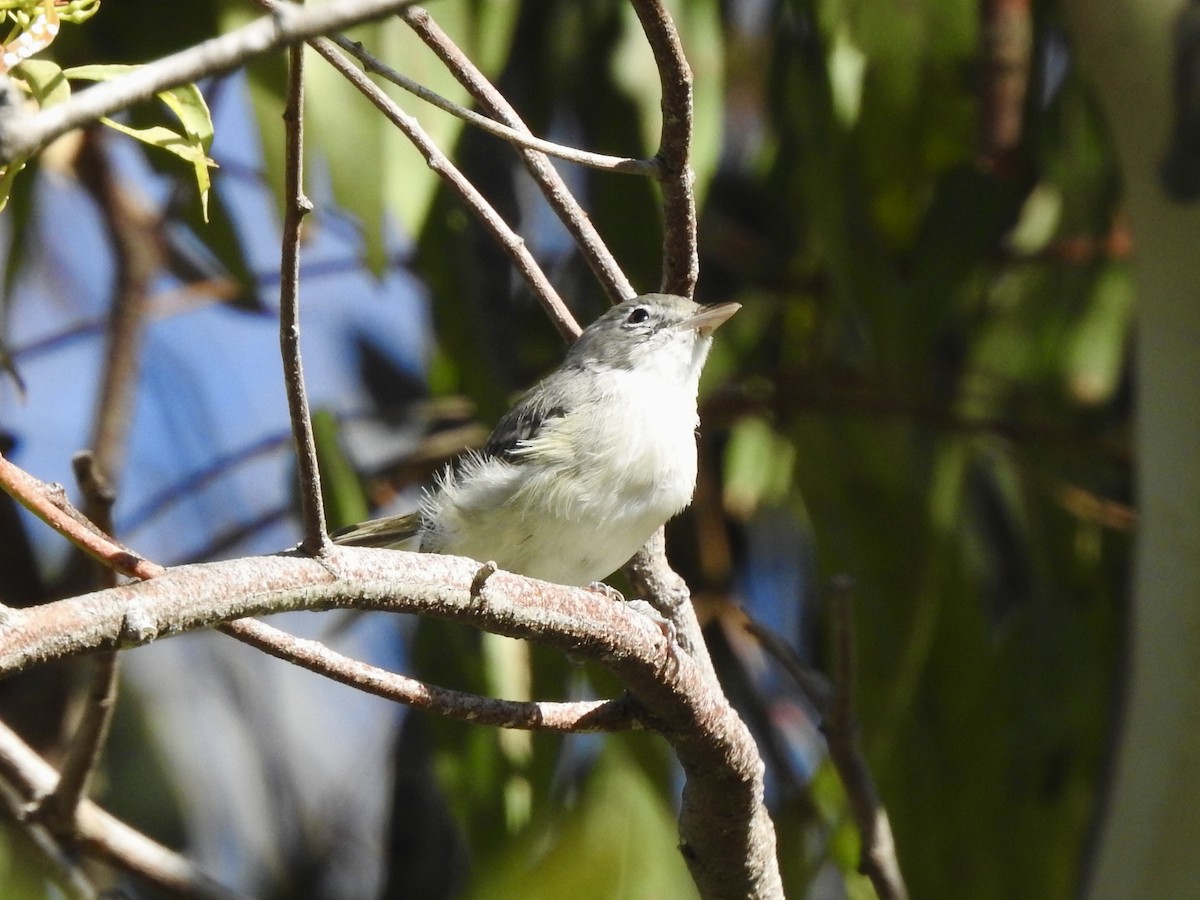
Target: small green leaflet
(187, 103)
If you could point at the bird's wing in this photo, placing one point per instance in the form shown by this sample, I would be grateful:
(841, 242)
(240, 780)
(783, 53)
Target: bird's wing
(528, 417)
(388, 532)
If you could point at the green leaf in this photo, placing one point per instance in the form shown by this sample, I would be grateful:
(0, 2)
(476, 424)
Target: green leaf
(8, 175)
(758, 467)
(345, 502)
(188, 105)
(1095, 352)
(46, 81)
(618, 843)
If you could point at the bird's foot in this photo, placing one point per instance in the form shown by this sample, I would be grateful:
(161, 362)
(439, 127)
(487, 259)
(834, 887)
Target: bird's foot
(665, 625)
(608, 591)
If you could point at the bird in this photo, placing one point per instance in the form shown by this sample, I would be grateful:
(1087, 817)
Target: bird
(587, 464)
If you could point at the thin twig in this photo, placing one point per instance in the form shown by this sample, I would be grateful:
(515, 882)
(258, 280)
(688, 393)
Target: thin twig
(46, 501)
(137, 254)
(834, 701)
(877, 859)
(555, 190)
(512, 134)
(681, 260)
(584, 716)
(816, 688)
(59, 809)
(512, 243)
(316, 540)
(137, 251)
(22, 135)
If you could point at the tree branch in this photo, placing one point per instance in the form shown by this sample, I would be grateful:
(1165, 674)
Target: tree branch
(681, 261)
(100, 834)
(22, 135)
(877, 858)
(49, 503)
(585, 716)
(654, 579)
(834, 701)
(727, 836)
(547, 178)
(512, 243)
(316, 540)
(68, 875)
(512, 134)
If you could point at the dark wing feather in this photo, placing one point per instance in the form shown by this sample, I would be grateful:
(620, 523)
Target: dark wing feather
(528, 416)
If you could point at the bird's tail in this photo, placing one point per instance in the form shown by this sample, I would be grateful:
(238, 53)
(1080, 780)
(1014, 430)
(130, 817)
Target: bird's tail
(392, 531)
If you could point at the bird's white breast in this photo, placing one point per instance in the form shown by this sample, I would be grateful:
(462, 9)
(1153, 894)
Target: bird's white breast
(584, 494)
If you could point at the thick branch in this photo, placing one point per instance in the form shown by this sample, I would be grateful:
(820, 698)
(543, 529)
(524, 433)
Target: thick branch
(727, 837)
(656, 582)
(23, 135)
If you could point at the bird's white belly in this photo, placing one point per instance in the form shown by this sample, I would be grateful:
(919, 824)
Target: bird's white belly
(581, 503)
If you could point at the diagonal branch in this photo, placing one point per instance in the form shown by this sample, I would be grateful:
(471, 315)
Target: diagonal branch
(49, 503)
(544, 174)
(68, 875)
(834, 701)
(878, 859)
(512, 243)
(102, 835)
(511, 133)
(584, 716)
(22, 135)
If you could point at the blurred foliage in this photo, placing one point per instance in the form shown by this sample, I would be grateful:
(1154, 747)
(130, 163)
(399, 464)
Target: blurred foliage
(929, 378)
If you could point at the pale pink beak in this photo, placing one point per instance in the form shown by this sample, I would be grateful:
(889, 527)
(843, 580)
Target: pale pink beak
(710, 318)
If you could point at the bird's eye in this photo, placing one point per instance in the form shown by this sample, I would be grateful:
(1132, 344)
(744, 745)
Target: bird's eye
(638, 315)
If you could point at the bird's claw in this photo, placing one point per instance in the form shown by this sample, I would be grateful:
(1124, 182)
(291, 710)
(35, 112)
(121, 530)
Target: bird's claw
(607, 590)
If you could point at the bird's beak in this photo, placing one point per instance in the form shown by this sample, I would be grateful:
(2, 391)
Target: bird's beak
(710, 318)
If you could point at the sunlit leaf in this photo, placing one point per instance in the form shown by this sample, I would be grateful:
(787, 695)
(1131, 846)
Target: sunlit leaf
(189, 107)
(758, 467)
(618, 843)
(1096, 351)
(46, 82)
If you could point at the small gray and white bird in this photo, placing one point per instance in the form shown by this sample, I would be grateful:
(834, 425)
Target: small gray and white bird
(587, 464)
